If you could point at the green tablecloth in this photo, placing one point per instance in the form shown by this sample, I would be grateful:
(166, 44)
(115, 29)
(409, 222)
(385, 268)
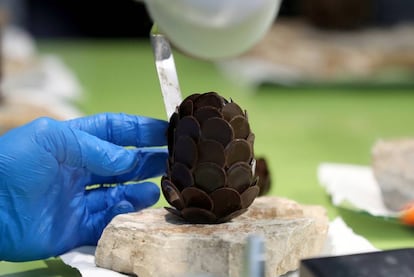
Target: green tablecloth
(296, 128)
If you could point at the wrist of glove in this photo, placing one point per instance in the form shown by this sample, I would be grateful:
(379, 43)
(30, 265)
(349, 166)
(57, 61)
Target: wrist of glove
(47, 166)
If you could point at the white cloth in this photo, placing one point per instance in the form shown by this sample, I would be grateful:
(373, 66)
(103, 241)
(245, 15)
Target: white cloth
(83, 259)
(353, 186)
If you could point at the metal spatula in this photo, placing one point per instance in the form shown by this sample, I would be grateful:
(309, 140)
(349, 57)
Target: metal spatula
(167, 73)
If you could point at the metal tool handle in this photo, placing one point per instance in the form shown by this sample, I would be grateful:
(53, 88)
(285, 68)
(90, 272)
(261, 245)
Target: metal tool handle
(167, 73)
(255, 258)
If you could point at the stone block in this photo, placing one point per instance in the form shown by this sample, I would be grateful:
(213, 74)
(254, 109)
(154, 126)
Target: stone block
(155, 243)
(393, 168)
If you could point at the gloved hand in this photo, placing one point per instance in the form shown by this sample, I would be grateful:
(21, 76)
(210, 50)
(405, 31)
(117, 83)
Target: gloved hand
(46, 165)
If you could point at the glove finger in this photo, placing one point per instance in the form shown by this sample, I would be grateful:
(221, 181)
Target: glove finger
(151, 162)
(124, 129)
(81, 150)
(99, 156)
(122, 207)
(117, 200)
(97, 222)
(140, 195)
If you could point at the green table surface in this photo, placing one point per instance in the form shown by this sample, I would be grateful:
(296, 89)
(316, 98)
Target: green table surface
(296, 127)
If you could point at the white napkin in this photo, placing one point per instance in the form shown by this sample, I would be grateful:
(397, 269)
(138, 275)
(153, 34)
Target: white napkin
(83, 259)
(353, 186)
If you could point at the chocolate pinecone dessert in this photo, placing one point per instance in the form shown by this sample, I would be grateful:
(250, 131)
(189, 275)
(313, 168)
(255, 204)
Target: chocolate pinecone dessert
(210, 176)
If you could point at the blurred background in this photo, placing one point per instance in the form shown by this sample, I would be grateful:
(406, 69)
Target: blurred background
(125, 18)
(313, 42)
(328, 80)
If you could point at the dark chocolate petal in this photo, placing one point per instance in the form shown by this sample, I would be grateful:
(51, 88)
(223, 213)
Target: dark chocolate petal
(192, 97)
(239, 177)
(209, 176)
(238, 150)
(209, 99)
(168, 170)
(248, 196)
(217, 129)
(226, 201)
(211, 151)
(231, 110)
(195, 197)
(204, 113)
(198, 216)
(255, 181)
(241, 127)
(181, 176)
(186, 108)
(174, 211)
(174, 120)
(188, 126)
(242, 164)
(186, 151)
(231, 216)
(171, 132)
(172, 194)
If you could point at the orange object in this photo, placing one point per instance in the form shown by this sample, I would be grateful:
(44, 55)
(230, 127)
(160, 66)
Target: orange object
(407, 215)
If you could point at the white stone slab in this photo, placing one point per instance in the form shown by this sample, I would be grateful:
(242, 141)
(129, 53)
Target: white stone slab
(154, 243)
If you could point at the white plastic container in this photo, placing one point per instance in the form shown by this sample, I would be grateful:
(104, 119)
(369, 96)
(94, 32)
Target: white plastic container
(213, 29)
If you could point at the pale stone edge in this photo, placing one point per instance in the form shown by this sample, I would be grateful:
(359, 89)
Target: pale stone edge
(316, 235)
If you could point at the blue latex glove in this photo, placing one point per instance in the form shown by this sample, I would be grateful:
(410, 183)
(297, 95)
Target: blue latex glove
(46, 165)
